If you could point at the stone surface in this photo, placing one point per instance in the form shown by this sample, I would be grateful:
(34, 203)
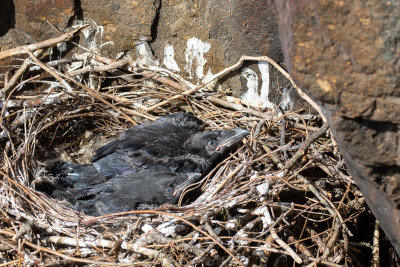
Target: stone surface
(124, 22)
(7, 18)
(23, 22)
(201, 38)
(346, 54)
(43, 19)
(229, 29)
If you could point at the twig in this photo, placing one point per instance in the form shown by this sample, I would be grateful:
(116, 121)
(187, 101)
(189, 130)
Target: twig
(98, 97)
(278, 220)
(47, 43)
(279, 68)
(293, 254)
(375, 242)
(332, 240)
(282, 139)
(236, 66)
(111, 66)
(196, 261)
(25, 228)
(167, 214)
(49, 70)
(17, 75)
(316, 239)
(300, 246)
(50, 251)
(306, 144)
(238, 107)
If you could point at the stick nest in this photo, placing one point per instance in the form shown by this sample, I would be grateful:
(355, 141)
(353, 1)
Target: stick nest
(284, 196)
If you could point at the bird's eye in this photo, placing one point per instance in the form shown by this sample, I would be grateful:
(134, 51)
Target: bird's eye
(211, 143)
(168, 190)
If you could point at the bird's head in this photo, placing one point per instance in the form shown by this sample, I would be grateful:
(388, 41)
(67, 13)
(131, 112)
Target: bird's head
(170, 186)
(183, 120)
(212, 144)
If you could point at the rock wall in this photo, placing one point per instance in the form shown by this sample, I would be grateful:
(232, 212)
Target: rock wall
(346, 55)
(123, 22)
(222, 30)
(200, 38)
(29, 21)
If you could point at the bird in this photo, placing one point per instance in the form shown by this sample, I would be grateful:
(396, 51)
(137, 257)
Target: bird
(149, 165)
(140, 190)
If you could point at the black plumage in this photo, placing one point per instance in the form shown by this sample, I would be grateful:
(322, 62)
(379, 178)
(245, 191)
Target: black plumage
(149, 165)
(138, 190)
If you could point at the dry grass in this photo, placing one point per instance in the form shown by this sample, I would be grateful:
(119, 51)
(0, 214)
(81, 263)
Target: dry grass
(284, 196)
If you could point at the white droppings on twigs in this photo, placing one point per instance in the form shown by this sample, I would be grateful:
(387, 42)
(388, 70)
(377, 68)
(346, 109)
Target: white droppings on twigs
(209, 76)
(169, 58)
(144, 55)
(252, 97)
(146, 228)
(263, 188)
(287, 102)
(167, 228)
(264, 93)
(231, 224)
(265, 216)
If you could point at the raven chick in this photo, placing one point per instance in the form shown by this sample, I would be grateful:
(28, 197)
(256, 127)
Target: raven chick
(149, 165)
(138, 190)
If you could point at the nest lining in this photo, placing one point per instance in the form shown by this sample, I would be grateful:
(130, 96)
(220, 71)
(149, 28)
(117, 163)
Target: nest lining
(285, 195)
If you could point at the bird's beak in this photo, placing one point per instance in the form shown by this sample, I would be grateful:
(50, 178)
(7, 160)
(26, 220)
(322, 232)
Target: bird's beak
(192, 178)
(232, 136)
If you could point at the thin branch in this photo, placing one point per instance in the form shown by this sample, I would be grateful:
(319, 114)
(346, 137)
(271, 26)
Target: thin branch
(47, 43)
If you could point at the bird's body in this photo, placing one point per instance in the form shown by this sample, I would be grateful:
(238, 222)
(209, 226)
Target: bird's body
(128, 192)
(148, 165)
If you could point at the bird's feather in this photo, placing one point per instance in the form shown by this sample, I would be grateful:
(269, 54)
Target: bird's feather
(146, 161)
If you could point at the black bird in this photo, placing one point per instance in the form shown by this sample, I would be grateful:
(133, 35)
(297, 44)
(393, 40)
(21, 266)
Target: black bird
(149, 165)
(138, 190)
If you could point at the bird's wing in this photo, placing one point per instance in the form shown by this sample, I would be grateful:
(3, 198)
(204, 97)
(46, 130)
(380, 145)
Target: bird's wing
(167, 153)
(176, 127)
(126, 192)
(122, 163)
(185, 121)
(74, 174)
(106, 149)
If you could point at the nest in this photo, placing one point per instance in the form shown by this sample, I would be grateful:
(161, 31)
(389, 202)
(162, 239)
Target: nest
(283, 197)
